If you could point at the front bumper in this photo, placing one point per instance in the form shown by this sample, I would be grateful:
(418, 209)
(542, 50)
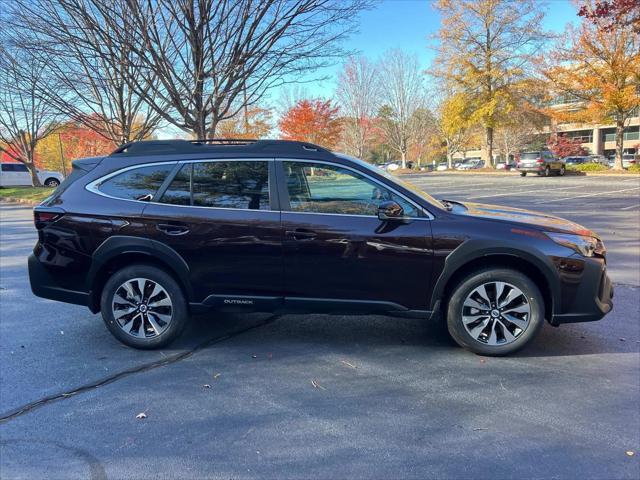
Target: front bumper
(592, 299)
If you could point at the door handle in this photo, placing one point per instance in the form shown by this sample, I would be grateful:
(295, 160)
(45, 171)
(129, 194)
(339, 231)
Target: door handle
(300, 234)
(170, 229)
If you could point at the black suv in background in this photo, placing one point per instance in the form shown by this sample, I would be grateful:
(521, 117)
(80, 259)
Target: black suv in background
(540, 162)
(160, 229)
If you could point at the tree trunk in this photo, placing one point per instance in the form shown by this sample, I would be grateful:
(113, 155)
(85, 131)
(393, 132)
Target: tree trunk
(489, 134)
(618, 165)
(34, 174)
(403, 157)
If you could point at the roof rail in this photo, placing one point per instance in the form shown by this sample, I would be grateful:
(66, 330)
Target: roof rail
(211, 145)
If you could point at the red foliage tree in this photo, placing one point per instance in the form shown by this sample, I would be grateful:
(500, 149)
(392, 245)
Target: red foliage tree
(563, 146)
(314, 121)
(610, 13)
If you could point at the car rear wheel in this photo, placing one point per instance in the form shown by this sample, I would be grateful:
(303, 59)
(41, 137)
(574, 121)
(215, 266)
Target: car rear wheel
(562, 171)
(523, 174)
(52, 182)
(547, 171)
(143, 307)
(495, 312)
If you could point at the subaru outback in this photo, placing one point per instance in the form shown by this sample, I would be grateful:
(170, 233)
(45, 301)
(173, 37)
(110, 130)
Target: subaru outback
(158, 230)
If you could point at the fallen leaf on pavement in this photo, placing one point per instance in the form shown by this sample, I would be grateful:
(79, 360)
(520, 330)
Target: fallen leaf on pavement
(317, 385)
(348, 364)
(630, 453)
(217, 375)
(206, 385)
(141, 415)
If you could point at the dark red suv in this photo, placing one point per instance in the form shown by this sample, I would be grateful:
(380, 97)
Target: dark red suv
(160, 229)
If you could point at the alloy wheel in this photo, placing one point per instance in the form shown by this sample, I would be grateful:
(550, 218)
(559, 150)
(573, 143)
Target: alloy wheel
(496, 313)
(142, 308)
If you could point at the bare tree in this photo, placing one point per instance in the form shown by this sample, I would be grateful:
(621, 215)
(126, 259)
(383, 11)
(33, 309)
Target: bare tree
(25, 118)
(358, 94)
(401, 93)
(92, 64)
(214, 57)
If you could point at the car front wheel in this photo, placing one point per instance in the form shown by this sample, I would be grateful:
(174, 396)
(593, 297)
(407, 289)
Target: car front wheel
(523, 174)
(495, 312)
(562, 171)
(143, 307)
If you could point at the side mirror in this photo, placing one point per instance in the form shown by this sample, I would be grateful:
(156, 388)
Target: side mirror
(390, 210)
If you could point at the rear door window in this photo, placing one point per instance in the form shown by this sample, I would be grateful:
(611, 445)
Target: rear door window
(225, 184)
(136, 184)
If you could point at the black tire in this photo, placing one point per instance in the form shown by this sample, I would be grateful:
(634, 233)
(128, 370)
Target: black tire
(562, 171)
(51, 182)
(547, 171)
(468, 285)
(523, 174)
(179, 313)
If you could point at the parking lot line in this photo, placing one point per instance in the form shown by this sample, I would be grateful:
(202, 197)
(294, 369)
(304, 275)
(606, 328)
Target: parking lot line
(588, 195)
(637, 205)
(515, 193)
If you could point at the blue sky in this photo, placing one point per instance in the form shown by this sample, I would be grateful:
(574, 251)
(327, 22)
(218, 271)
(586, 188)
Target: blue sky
(408, 25)
(405, 24)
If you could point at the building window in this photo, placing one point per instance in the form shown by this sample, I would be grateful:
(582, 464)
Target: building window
(584, 136)
(630, 133)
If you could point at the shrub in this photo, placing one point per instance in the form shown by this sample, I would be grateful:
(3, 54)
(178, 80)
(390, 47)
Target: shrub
(634, 168)
(590, 167)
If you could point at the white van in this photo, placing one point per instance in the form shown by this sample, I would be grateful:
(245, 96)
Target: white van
(17, 174)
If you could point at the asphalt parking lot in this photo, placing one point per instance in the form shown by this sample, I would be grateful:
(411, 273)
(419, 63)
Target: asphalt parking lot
(314, 396)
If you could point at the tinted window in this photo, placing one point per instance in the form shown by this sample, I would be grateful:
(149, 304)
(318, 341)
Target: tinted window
(231, 185)
(136, 184)
(237, 184)
(529, 155)
(179, 191)
(321, 188)
(13, 167)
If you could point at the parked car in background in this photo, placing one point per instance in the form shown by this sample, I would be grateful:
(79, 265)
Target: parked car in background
(541, 162)
(391, 166)
(442, 166)
(628, 159)
(597, 159)
(471, 165)
(160, 230)
(17, 175)
(577, 160)
(502, 165)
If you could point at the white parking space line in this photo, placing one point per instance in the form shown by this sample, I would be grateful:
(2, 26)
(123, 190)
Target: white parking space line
(588, 195)
(630, 207)
(519, 192)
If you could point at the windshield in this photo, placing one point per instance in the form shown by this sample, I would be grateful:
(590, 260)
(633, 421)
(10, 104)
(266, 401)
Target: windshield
(412, 188)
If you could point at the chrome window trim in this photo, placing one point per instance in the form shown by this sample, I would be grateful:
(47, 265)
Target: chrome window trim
(93, 186)
(428, 214)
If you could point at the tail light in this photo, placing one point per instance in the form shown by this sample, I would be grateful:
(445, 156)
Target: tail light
(539, 160)
(42, 218)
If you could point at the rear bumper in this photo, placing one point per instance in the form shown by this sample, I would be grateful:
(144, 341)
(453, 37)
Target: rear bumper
(594, 298)
(535, 169)
(44, 285)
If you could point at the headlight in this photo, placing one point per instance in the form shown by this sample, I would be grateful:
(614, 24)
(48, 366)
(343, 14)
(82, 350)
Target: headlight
(585, 246)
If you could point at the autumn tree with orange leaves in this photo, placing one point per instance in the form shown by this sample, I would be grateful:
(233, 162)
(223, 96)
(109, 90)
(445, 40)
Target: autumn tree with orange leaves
(485, 51)
(597, 65)
(314, 121)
